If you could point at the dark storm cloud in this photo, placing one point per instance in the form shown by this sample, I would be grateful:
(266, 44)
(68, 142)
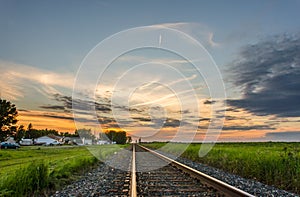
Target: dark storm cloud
(186, 111)
(142, 119)
(173, 123)
(135, 110)
(229, 118)
(130, 109)
(204, 119)
(170, 122)
(55, 107)
(208, 102)
(104, 113)
(58, 117)
(24, 110)
(79, 105)
(232, 118)
(158, 122)
(238, 128)
(232, 109)
(246, 128)
(65, 100)
(102, 107)
(200, 127)
(106, 120)
(268, 74)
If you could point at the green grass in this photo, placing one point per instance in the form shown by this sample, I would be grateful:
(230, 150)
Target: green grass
(275, 164)
(31, 171)
(10, 160)
(105, 151)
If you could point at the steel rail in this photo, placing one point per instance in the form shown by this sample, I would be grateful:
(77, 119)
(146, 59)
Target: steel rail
(223, 187)
(133, 192)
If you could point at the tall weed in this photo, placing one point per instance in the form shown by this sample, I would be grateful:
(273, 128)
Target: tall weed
(26, 181)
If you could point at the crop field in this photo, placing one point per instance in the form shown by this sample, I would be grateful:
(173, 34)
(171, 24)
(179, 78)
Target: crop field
(33, 170)
(272, 163)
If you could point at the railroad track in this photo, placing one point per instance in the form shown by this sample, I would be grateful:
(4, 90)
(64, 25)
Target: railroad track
(153, 174)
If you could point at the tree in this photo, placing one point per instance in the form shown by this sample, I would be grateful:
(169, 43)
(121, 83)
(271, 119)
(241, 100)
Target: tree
(20, 133)
(67, 134)
(30, 132)
(30, 127)
(121, 137)
(8, 118)
(118, 137)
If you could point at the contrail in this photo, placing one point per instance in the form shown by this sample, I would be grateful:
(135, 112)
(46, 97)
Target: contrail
(163, 98)
(159, 40)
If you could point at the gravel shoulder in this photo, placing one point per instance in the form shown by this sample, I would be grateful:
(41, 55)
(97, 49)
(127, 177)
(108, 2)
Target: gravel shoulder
(110, 178)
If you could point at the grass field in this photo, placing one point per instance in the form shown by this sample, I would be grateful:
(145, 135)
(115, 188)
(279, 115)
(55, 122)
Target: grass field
(35, 170)
(275, 164)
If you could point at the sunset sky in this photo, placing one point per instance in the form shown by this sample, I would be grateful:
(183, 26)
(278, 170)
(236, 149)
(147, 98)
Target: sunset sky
(235, 67)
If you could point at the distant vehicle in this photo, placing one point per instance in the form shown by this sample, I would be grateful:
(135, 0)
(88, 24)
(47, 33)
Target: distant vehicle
(9, 145)
(54, 143)
(26, 142)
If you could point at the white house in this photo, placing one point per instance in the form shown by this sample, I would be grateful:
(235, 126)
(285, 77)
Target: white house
(46, 140)
(87, 141)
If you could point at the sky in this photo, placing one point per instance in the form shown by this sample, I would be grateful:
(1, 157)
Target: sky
(160, 70)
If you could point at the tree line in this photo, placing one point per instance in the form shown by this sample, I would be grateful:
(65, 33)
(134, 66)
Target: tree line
(8, 128)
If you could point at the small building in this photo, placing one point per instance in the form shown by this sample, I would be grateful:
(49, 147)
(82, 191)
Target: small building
(74, 140)
(87, 141)
(101, 142)
(78, 141)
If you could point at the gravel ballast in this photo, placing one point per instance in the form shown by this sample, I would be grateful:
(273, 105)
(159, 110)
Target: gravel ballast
(110, 178)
